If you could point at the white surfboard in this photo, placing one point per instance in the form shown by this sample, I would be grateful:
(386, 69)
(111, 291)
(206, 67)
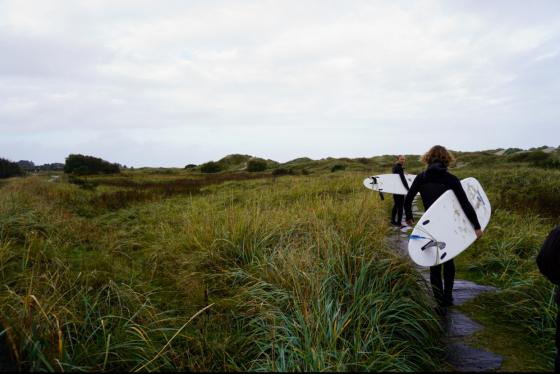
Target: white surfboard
(389, 183)
(444, 231)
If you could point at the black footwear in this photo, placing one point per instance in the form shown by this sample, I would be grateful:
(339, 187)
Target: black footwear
(441, 310)
(393, 223)
(448, 301)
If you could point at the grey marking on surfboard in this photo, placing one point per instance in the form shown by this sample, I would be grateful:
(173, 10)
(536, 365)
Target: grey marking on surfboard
(479, 196)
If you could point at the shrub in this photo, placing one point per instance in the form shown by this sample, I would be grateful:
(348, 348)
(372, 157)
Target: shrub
(256, 165)
(87, 165)
(337, 167)
(510, 151)
(548, 164)
(82, 183)
(9, 169)
(282, 171)
(190, 166)
(211, 167)
(532, 157)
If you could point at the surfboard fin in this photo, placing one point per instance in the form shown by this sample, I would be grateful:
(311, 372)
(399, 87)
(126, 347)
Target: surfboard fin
(374, 179)
(433, 243)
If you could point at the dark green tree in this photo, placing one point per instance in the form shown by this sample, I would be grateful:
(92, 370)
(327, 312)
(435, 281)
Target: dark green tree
(255, 165)
(9, 169)
(87, 165)
(210, 167)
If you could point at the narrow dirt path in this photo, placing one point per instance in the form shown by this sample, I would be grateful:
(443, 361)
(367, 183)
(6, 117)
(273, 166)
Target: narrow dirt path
(458, 327)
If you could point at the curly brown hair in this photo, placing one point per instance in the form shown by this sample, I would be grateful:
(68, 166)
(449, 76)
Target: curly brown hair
(438, 152)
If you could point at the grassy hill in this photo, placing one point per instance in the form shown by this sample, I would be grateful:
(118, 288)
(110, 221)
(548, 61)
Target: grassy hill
(542, 157)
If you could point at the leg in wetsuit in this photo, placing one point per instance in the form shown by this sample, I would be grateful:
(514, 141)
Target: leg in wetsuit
(397, 213)
(443, 291)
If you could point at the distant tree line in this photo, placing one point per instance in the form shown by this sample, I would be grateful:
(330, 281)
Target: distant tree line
(9, 169)
(87, 165)
(55, 166)
(30, 166)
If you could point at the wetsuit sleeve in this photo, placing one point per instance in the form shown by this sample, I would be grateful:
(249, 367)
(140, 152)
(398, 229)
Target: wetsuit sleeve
(548, 259)
(465, 204)
(399, 170)
(412, 191)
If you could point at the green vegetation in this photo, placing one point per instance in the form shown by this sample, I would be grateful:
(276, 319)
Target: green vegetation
(291, 274)
(520, 318)
(281, 171)
(9, 169)
(256, 164)
(523, 310)
(210, 167)
(337, 167)
(181, 269)
(88, 165)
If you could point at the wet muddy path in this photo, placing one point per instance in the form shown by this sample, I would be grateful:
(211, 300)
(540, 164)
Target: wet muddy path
(458, 327)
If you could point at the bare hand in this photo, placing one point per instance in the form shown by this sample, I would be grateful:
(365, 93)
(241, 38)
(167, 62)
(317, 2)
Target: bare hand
(478, 234)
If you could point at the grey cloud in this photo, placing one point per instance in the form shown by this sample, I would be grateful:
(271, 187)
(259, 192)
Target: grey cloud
(200, 79)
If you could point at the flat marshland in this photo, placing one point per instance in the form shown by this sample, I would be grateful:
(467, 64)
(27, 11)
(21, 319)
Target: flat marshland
(176, 270)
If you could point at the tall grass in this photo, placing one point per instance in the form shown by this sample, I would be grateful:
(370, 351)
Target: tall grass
(506, 258)
(285, 274)
(519, 188)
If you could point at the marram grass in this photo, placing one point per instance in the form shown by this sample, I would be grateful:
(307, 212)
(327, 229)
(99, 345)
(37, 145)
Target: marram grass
(286, 274)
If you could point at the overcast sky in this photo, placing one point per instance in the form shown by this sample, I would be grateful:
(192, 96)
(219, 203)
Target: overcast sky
(166, 83)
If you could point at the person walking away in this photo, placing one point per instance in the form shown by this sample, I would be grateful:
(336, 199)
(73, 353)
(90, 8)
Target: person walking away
(397, 212)
(548, 261)
(431, 184)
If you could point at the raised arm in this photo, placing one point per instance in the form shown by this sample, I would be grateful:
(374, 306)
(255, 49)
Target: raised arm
(412, 191)
(465, 204)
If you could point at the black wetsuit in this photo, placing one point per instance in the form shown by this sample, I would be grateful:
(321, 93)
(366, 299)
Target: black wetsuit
(397, 213)
(548, 261)
(431, 184)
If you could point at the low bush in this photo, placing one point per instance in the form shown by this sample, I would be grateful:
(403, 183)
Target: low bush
(281, 171)
(337, 167)
(531, 156)
(256, 165)
(210, 167)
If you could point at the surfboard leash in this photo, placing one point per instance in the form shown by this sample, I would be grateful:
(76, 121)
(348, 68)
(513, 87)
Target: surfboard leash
(431, 243)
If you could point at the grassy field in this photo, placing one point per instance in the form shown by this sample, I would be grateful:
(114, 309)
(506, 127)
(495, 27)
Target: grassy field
(171, 269)
(284, 274)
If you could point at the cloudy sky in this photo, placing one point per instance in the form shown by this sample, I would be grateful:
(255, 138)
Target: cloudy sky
(166, 83)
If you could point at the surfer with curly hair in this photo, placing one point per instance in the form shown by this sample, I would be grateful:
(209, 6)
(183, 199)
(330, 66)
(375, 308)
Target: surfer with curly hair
(397, 212)
(548, 261)
(432, 183)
